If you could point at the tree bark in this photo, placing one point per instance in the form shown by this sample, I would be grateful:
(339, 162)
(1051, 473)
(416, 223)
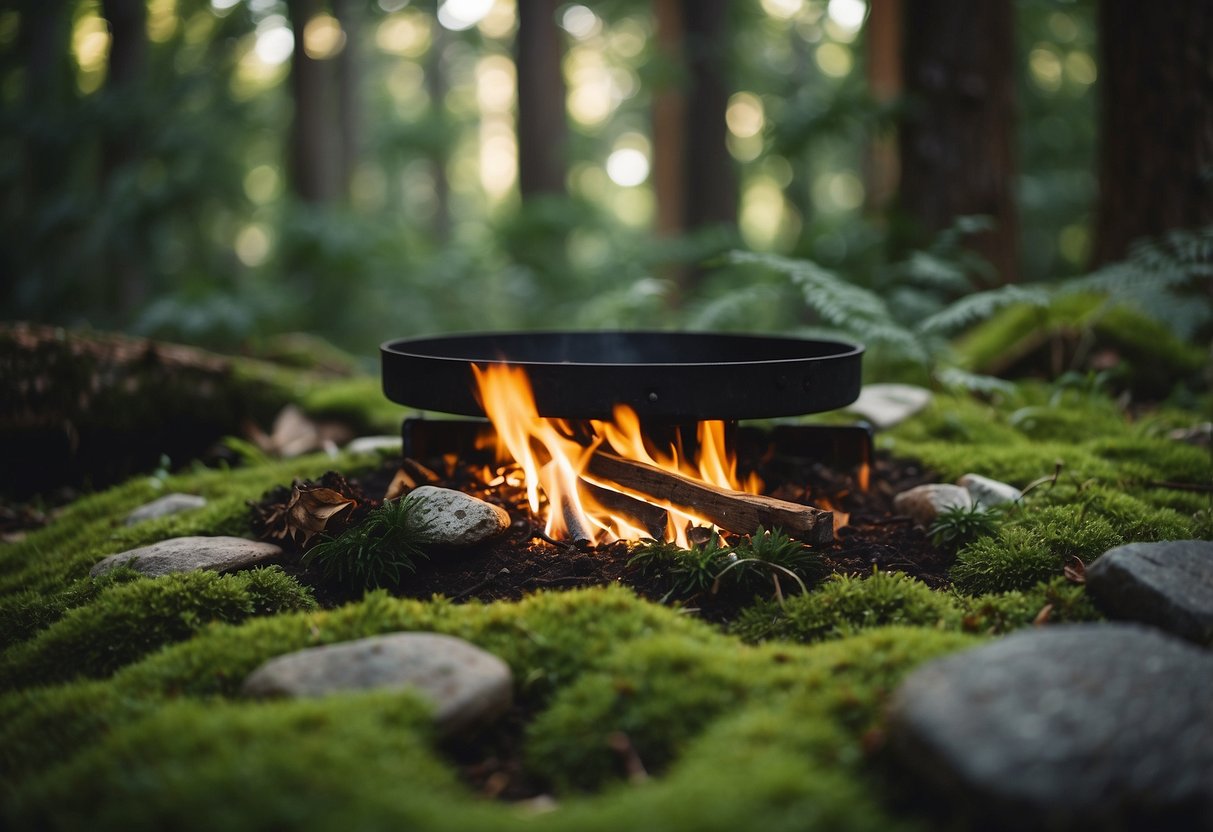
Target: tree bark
(436, 85)
(710, 175)
(349, 14)
(127, 66)
(669, 123)
(1156, 121)
(886, 84)
(314, 166)
(542, 127)
(956, 152)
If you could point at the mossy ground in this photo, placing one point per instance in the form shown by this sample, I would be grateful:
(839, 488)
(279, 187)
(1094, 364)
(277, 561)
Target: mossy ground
(774, 724)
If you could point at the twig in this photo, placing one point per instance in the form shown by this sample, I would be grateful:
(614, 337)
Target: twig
(1203, 488)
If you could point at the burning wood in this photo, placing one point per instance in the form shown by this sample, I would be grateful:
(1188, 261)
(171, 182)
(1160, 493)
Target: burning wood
(732, 510)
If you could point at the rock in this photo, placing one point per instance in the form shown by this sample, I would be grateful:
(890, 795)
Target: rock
(989, 492)
(188, 554)
(1088, 726)
(923, 503)
(886, 405)
(465, 685)
(457, 519)
(374, 444)
(1167, 585)
(163, 507)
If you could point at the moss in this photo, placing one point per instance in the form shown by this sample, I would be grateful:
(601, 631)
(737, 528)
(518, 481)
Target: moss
(92, 527)
(26, 613)
(786, 749)
(358, 402)
(131, 620)
(1003, 612)
(846, 605)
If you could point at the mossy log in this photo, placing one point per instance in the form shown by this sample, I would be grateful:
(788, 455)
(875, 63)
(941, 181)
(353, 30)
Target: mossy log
(91, 408)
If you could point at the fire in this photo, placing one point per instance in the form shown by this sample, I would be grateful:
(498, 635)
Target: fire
(553, 462)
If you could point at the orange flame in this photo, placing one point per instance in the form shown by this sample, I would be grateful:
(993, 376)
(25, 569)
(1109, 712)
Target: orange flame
(553, 464)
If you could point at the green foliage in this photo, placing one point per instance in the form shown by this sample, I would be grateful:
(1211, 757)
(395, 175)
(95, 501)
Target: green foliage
(960, 525)
(128, 621)
(999, 613)
(691, 571)
(25, 613)
(376, 551)
(844, 606)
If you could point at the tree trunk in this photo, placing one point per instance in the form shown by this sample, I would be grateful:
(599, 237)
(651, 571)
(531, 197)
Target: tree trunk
(436, 85)
(886, 84)
(349, 99)
(1156, 123)
(542, 127)
(669, 124)
(711, 177)
(314, 162)
(956, 152)
(127, 21)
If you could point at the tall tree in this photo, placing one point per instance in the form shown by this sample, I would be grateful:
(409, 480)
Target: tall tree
(1156, 122)
(125, 75)
(315, 168)
(349, 14)
(885, 82)
(956, 142)
(542, 127)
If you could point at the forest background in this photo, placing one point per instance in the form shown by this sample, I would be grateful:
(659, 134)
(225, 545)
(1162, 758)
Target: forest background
(218, 171)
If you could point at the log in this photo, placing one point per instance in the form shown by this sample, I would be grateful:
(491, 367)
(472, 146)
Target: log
(653, 519)
(734, 511)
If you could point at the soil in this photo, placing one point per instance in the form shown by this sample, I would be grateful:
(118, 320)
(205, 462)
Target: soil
(523, 560)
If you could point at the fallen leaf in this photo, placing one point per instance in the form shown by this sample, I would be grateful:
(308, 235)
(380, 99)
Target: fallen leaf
(1042, 617)
(311, 508)
(400, 485)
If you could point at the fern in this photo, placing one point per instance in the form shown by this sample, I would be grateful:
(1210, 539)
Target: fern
(976, 307)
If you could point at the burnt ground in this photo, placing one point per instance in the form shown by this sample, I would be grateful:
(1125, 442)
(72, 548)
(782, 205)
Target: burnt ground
(523, 560)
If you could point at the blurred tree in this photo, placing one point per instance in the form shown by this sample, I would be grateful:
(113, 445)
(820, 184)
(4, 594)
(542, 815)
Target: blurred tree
(121, 147)
(315, 143)
(886, 84)
(542, 127)
(694, 175)
(1156, 123)
(956, 139)
(349, 14)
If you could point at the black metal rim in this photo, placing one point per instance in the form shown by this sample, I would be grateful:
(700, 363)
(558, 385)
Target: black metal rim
(665, 376)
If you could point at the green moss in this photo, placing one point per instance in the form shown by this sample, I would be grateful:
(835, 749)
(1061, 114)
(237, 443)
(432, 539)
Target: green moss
(844, 606)
(26, 613)
(92, 527)
(784, 748)
(1003, 612)
(131, 620)
(358, 402)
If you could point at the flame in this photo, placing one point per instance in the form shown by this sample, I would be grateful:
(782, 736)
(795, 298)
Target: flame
(553, 462)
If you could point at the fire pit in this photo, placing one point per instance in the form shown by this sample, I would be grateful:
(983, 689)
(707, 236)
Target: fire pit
(628, 435)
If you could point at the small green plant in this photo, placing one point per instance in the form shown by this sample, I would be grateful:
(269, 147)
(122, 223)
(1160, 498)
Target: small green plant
(377, 551)
(766, 555)
(960, 525)
(691, 571)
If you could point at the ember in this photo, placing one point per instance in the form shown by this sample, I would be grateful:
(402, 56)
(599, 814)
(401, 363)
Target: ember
(587, 494)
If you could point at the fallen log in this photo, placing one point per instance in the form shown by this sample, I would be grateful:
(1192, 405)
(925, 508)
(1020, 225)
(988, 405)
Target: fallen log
(734, 511)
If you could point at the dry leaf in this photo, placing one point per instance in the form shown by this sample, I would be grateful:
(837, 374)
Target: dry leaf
(1042, 617)
(1075, 571)
(400, 485)
(311, 508)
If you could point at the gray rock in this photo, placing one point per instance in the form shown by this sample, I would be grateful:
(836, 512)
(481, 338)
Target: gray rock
(1088, 726)
(163, 507)
(465, 685)
(374, 444)
(989, 492)
(189, 554)
(455, 518)
(886, 405)
(923, 503)
(1168, 585)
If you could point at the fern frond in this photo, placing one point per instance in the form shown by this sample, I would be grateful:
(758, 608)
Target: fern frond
(981, 305)
(838, 302)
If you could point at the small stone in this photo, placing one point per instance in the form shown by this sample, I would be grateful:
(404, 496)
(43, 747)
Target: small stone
(466, 685)
(374, 444)
(989, 492)
(457, 519)
(1092, 726)
(886, 405)
(163, 507)
(1168, 585)
(923, 503)
(190, 554)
